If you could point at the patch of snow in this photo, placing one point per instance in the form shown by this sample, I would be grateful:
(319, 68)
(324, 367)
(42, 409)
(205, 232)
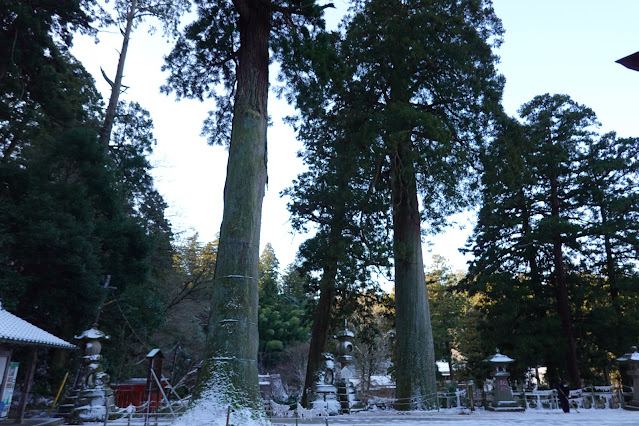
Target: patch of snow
(213, 407)
(210, 411)
(482, 417)
(92, 333)
(15, 329)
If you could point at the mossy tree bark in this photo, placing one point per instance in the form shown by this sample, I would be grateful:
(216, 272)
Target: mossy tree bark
(415, 357)
(230, 366)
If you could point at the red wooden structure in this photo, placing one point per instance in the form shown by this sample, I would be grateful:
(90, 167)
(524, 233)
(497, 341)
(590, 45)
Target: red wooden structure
(137, 392)
(134, 392)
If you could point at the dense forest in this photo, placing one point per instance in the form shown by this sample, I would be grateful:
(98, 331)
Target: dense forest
(401, 123)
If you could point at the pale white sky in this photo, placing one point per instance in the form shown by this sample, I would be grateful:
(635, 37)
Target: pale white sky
(554, 46)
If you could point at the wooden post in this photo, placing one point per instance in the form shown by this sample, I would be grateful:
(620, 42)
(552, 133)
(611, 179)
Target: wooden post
(26, 387)
(55, 401)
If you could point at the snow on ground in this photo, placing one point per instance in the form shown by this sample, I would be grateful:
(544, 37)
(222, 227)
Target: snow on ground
(479, 417)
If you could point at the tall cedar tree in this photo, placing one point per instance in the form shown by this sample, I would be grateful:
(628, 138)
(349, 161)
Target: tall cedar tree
(561, 129)
(561, 196)
(229, 45)
(507, 269)
(422, 75)
(341, 194)
(609, 186)
(139, 274)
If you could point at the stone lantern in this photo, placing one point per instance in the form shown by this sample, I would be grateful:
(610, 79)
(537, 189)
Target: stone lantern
(324, 389)
(502, 394)
(345, 349)
(92, 374)
(333, 389)
(345, 388)
(632, 358)
(92, 394)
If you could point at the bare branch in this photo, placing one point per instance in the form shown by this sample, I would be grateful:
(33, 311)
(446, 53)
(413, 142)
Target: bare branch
(106, 78)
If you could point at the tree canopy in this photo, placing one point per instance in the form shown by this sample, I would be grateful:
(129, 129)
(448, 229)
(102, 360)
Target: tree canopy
(548, 254)
(415, 86)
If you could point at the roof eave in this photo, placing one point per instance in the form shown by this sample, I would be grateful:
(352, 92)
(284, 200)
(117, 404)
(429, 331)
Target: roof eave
(43, 345)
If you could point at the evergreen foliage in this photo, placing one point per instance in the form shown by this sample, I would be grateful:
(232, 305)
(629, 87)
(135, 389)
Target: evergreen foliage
(281, 317)
(549, 250)
(72, 214)
(42, 86)
(447, 307)
(412, 87)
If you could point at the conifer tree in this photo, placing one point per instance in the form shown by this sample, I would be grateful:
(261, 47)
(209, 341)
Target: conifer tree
(343, 193)
(421, 79)
(228, 46)
(428, 74)
(561, 130)
(70, 214)
(508, 270)
(551, 226)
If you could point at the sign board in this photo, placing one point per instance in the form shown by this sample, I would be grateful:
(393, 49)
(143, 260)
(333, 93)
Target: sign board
(7, 393)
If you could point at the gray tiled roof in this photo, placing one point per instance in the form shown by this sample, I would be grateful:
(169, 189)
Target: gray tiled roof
(18, 331)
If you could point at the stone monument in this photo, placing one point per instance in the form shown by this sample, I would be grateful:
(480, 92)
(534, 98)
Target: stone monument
(632, 358)
(345, 388)
(325, 389)
(334, 391)
(91, 394)
(502, 394)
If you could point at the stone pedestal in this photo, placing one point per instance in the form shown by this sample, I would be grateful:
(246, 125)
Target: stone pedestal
(325, 389)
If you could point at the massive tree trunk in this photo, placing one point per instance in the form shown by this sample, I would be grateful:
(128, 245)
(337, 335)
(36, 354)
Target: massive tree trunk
(322, 318)
(320, 329)
(415, 357)
(116, 84)
(561, 289)
(229, 372)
